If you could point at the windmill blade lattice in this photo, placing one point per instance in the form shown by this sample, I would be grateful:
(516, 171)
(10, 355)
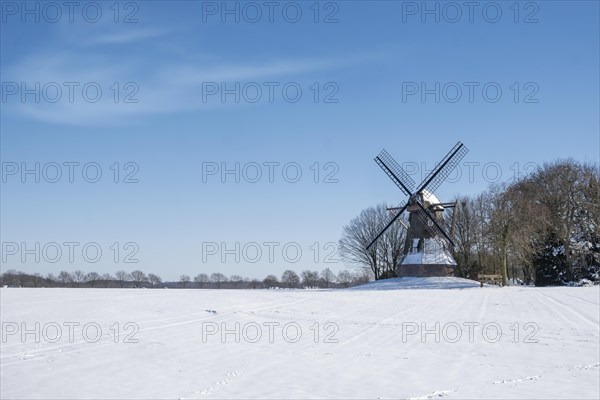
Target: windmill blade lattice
(396, 173)
(433, 180)
(386, 224)
(427, 245)
(444, 168)
(434, 228)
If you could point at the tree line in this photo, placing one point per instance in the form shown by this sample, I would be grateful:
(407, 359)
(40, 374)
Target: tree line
(542, 229)
(138, 279)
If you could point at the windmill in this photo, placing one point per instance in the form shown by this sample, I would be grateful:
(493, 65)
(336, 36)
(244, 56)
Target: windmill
(427, 248)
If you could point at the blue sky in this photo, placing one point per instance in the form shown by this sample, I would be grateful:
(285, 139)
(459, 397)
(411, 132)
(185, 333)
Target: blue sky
(355, 68)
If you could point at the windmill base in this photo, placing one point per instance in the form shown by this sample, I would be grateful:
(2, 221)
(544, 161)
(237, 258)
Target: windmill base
(425, 270)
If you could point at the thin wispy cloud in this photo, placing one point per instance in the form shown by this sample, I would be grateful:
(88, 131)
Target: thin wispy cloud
(197, 74)
(165, 79)
(160, 87)
(126, 37)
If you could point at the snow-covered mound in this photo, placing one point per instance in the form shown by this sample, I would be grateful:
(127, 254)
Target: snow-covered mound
(433, 282)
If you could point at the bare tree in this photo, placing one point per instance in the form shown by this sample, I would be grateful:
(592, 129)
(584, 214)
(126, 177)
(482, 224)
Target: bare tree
(122, 278)
(502, 224)
(466, 219)
(184, 279)
(392, 244)
(344, 278)
(92, 278)
(65, 278)
(483, 245)
(201, 280)
(310, 278)
(362, 277)
(218, 279)
(37, 279)
(356, 236)
(270, 281)
(107, 278)
(327, 277)
(78, 277)
(9, 277)
(254, 283)
(236, 280)
(529, 218)
(154, 280)
(290, 278)
(138, 277)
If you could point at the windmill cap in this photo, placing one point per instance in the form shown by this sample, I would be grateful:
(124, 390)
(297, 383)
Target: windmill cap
(430, 197)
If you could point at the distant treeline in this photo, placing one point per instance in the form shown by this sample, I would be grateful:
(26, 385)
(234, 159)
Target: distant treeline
(217, 280)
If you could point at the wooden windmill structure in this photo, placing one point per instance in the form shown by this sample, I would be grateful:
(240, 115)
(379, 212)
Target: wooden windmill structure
(428, 247)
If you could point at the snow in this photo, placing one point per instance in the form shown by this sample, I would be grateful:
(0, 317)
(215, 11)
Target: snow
(430, 197)
(440, 257)
(433, 254)
(366, 347)
(419, 283)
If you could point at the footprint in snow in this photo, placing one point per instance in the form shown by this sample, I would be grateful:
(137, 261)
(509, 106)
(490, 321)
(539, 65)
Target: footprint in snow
(519, 380)
(433, 395)
(590, 366)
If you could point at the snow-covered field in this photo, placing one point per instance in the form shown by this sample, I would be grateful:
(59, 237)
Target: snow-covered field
(168, 344)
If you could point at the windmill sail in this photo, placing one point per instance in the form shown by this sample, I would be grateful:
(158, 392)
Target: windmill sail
(427, 249)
